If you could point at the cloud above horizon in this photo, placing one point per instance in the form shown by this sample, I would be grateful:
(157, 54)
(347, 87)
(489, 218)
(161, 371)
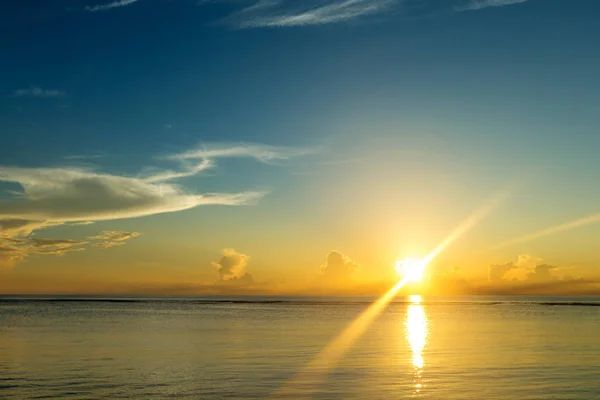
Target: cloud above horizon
(527, 268)
(338, 268)
(14, 249)
(232, 267)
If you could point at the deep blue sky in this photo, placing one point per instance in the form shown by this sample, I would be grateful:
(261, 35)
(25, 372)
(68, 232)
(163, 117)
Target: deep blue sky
(129, 71)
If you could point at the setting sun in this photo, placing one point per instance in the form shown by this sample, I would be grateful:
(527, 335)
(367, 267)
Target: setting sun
(411, 269)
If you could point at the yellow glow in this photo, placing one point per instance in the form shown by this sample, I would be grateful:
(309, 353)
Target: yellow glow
(467, 224)
(415, 299)
(315, 371)
(417, 333)
(411, 269)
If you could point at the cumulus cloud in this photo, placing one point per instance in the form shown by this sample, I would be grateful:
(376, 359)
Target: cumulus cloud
(338, 267)
(480, 4)
(288, 13)
(526, 268)
(108, 6)
(36, 91)
(232, 267)
(496, 273)
(542, 273)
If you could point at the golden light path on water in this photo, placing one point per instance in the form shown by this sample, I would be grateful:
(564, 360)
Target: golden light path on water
(417, 332)
(316, 370)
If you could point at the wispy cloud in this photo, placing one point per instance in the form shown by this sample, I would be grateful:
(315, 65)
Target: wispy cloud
(262, 153)
(108, 6)
(55, 196)
(14, 249)
(69, 195)
(36, 91)
(287, 13)
(113, 238)
(17, 249)
(480, 4)
(83, 157)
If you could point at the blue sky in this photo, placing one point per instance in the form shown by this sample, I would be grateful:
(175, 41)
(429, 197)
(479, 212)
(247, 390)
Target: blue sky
(353, 101)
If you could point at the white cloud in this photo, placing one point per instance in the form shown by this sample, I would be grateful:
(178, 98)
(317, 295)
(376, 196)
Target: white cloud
(54, 196)
(286, 13)
(36, 91)
(70, 195)
(108, 6)
(480, 4)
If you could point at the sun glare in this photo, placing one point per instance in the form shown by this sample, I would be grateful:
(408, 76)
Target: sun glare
(411, 269)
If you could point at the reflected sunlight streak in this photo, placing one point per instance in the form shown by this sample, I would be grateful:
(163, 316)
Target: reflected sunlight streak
(317, 369)
(417, 332)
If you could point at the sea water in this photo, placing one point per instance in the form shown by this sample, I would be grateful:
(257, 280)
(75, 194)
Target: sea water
(251, 348)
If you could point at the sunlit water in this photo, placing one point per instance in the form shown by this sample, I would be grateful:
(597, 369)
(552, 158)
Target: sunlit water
(465, 348)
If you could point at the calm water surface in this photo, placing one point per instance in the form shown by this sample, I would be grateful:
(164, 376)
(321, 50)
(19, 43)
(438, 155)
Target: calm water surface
(466, 348)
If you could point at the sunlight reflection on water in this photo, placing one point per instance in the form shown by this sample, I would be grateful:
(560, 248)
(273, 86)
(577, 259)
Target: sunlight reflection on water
(417, 332)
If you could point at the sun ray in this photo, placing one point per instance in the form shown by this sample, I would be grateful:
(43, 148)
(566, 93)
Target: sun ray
(592, 219)
(315, 371)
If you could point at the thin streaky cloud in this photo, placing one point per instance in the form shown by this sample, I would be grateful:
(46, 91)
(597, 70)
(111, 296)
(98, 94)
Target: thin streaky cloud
(61, 195)
(108, 6)
(262, 153)
(189, 171)
(281, 13)
(481, 4)
(83, 157)
(36, 91)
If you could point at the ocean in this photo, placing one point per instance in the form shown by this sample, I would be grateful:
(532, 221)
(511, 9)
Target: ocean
(252, 348)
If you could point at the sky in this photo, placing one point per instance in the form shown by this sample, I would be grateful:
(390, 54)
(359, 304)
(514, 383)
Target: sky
(191, 147)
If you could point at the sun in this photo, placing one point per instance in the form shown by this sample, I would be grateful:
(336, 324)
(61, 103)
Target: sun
(411, 269)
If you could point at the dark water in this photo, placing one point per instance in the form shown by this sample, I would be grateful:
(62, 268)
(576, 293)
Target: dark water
(249, 348)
